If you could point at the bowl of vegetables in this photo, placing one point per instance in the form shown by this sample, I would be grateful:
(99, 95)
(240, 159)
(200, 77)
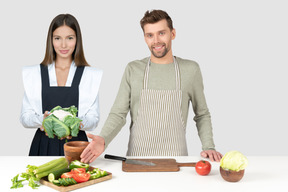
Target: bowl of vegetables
(73, 150)
(232, 166)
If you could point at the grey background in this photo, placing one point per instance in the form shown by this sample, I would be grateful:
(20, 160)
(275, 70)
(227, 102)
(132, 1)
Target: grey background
(241, 47)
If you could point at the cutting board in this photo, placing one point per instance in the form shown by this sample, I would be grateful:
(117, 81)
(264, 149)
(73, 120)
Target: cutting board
(161, 165)
(45, 181)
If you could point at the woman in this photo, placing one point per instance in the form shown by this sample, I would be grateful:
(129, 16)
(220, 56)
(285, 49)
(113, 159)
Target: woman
(63, 78)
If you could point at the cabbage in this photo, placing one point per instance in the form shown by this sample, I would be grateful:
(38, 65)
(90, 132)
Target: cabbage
(234, 160)
(62, 122)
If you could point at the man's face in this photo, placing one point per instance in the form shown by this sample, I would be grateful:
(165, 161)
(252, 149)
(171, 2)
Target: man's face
(158, 37)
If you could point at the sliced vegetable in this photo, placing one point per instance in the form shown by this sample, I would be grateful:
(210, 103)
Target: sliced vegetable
(78, 164)
(56, 182)
(64, 181)
(97, 173)
(57, 174)
(234, 160)
(78, 170)
(104, 173)
(81, 177)
(67, 175)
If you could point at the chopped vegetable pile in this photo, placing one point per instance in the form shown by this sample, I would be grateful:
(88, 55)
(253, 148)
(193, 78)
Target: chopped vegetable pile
(62, 122)
(59, 173)
(96, 173)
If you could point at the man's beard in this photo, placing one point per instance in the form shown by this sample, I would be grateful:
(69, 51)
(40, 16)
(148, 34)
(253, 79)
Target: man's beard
(161, 54)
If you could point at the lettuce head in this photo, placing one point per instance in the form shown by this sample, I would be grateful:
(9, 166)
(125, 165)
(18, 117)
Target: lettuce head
(234, 160)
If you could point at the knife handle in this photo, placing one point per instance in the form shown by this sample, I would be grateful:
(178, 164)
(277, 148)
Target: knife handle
(106, 156)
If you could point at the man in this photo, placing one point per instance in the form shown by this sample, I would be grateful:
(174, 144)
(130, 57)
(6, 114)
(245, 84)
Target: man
(157, 92)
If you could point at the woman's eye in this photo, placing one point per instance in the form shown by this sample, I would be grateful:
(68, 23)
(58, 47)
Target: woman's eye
(56, 38)
(70, 38)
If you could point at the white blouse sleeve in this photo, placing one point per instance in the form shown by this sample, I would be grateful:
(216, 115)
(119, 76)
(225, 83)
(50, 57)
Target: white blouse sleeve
(31, 113)
(29, 118)
(91, 118)
(88, 108)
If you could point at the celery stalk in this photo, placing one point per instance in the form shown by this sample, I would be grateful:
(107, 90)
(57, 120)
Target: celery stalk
(57, 167)
(50, 165)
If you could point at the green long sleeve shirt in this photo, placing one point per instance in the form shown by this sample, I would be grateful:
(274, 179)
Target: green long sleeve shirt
(161, 76)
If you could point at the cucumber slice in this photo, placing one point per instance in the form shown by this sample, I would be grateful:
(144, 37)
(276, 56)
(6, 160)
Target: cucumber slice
(73, 181)
(57, 174)
(56, 182)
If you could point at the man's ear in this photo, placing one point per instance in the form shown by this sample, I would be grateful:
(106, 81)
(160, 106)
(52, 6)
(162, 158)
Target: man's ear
(173, 34)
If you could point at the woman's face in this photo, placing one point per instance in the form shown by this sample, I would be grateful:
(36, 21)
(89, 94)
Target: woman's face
(64, 42)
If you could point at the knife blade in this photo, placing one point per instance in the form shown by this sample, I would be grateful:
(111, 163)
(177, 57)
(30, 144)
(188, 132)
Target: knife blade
(129, 161)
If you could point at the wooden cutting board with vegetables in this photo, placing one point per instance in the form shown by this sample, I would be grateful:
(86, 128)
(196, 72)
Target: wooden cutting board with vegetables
(161, 165)
(60, 175)
(63, 188)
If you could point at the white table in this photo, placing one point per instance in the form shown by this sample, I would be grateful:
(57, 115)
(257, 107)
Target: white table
(264, 173)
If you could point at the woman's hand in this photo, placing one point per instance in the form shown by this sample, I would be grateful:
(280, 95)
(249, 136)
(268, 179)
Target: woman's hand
(94, 149)
(46, 114)
(81, 126)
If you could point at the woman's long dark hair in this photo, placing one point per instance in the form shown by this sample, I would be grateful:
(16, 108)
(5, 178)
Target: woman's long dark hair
(78, 54)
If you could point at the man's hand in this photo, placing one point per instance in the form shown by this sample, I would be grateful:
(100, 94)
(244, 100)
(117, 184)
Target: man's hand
(94, 149)
(212, 155)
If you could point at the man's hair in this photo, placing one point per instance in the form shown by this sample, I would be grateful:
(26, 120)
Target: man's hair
(154, 16)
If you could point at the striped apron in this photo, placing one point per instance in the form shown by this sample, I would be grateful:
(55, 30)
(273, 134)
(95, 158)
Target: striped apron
(159, 129)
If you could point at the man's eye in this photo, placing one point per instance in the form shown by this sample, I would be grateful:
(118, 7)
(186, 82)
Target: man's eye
(162, 33)
(149, 35)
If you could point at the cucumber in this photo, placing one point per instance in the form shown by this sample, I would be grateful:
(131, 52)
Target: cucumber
(66, 181)
(73, 181)
(56, 182)
(57, 174)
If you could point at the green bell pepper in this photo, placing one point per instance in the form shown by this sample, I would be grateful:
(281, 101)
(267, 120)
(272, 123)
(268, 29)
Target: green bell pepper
(78, 164)
(96, 173)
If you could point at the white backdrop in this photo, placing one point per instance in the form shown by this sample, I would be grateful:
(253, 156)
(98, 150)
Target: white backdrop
(241, 47)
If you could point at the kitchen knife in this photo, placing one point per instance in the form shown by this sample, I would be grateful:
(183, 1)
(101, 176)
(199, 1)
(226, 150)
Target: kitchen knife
(129, 161)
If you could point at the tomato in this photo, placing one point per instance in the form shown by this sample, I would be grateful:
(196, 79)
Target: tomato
(203, 167)
(81, 177)
(67, 175)
(78, 170)
(79, 174)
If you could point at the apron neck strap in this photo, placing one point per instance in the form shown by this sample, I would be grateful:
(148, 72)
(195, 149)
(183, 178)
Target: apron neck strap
(177, 74)
(77, 76)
